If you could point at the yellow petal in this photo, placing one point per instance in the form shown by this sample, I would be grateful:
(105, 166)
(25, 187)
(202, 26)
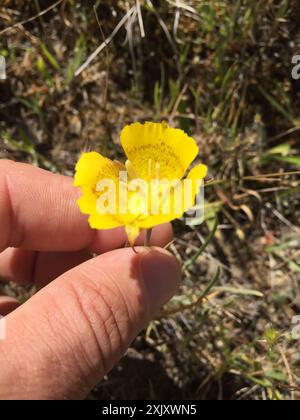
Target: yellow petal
(195, 176)
(198, 172)
(181, 198)
(87, 202)
(132, 231)
(103, 221)
(157, 150)
(92, 167)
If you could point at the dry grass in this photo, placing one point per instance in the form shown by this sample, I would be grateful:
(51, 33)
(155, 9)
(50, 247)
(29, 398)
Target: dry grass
(221, 70)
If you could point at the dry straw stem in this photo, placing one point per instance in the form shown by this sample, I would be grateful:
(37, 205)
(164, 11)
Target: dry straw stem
(106, 42)
(164, 27)
(38, 15)
(288, 371)
(140, 17)
(181, 5)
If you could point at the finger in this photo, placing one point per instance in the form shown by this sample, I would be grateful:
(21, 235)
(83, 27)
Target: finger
(25, 267)
(7, 305)
(74, 330)
(41, 214)
(17, 265)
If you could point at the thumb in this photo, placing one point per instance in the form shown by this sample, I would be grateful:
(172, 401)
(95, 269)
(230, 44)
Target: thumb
(63, 340)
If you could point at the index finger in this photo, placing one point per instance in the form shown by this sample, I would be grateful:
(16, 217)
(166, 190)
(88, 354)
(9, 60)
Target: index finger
(38, 211)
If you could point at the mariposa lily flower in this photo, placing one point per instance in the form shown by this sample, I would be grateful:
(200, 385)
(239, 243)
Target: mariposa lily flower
(146, 191)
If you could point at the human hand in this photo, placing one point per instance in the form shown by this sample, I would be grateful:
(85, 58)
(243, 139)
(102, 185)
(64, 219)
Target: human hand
(63, 340)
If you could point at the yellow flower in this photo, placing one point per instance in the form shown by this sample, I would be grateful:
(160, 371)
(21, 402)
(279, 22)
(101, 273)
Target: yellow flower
(149, 189)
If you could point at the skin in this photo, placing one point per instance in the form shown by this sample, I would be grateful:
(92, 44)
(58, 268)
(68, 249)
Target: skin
(63, 340)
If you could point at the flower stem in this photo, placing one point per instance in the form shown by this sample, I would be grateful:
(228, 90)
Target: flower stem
(148, 237)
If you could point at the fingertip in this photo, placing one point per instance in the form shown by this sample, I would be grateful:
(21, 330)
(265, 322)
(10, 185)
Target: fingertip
(161, 276)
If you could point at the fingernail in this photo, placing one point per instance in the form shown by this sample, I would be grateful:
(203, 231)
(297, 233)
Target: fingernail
(161, 275)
